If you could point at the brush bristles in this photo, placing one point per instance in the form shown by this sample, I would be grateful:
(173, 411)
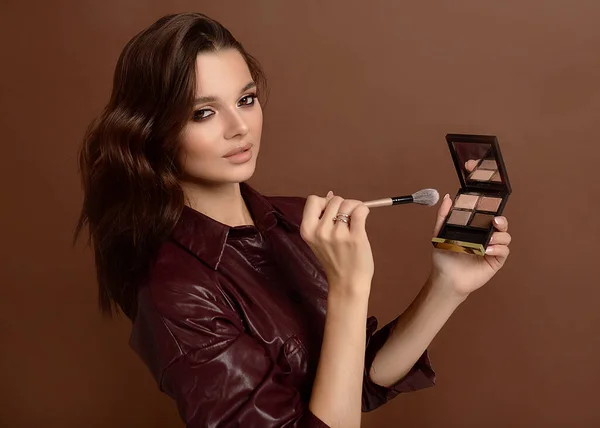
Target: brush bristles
(426, 197)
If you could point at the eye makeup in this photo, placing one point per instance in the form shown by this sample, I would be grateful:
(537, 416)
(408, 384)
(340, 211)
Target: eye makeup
(487, 203)
(482, 220)
(459, 217)
(489, 164)
(473, 210)
(482, 175)
(466, 201)
(484, 170)
(483, 194)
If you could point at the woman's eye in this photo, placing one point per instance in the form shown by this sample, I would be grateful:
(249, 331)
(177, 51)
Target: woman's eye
(248, 100)
(202, 114)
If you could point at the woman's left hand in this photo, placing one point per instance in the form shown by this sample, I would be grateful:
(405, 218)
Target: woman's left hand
(465, 273)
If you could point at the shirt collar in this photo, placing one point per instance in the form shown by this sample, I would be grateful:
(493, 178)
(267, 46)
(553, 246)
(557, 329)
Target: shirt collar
(206, 237)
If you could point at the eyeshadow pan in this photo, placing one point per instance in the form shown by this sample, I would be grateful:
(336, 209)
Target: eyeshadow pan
(497, 178)
(466, 201)
(460, 218)
(481, 175)
(487, 203)
(489, 164)
(482, 220)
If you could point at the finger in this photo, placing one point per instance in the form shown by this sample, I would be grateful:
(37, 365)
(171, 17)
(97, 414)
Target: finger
(313, 208)
(332, 208)
(359, 219)
(347, 207)
(443, 211)
(501, 223)
(471, 164)
(501, 238)
(499, 251)
(327, 198)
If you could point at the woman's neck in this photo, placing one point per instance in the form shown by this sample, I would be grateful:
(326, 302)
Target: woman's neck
(222, 202)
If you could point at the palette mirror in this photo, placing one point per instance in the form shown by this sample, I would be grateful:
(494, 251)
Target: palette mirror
(477, 162)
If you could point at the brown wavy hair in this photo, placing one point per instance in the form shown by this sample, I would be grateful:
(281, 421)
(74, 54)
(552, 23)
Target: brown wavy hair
(132, 197)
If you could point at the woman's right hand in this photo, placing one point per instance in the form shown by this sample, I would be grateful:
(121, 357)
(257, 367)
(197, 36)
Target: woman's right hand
(342, 248)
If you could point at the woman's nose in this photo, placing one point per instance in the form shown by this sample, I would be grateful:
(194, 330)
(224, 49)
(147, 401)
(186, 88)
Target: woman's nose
(236, 125)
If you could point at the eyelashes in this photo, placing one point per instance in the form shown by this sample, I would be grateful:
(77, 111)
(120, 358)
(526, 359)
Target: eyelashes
(203, 114)
(251, 97)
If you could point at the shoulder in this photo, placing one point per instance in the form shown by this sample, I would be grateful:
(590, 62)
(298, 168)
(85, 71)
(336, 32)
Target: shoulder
(178, 282)
(175, 303)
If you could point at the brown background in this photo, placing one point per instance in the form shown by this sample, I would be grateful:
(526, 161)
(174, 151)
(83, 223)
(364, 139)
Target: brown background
(361, 98)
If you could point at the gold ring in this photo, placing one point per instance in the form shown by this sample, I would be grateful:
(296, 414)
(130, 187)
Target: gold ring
(345, 218)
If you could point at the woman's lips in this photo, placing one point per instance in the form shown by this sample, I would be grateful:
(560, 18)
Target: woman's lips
(240, 156)
(238, 150)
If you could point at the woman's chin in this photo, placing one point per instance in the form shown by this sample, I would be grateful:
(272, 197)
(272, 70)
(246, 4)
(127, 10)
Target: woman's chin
(242, 173)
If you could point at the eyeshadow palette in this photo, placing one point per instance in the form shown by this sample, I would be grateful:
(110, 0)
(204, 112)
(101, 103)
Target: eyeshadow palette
(484, 192)
(473, 210)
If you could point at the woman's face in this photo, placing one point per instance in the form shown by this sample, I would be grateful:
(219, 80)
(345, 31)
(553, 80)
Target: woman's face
(226, 117)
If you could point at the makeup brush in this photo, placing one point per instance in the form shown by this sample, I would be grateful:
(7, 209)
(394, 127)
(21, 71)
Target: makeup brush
(422, 197)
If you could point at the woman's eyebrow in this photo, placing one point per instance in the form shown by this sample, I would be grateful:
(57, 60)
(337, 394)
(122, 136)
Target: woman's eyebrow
(212, 98)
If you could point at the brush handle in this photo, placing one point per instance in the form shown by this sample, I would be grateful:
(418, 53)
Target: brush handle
(386, 202)
(399, 200)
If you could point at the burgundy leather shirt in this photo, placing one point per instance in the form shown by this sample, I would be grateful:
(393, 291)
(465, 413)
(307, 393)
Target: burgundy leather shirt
(230, 321)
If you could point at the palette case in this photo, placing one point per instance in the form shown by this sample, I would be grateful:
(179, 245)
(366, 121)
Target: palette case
(484, 192)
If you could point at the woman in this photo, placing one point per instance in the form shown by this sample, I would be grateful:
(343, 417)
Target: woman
(248, 310)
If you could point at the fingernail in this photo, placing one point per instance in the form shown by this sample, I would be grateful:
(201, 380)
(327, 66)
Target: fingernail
(499, 221)
(329, 194)
(489, 250)
(447, 196)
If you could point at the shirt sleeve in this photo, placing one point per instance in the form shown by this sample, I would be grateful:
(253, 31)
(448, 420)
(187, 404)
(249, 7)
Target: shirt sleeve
(229, 379)
(420, 376)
